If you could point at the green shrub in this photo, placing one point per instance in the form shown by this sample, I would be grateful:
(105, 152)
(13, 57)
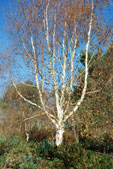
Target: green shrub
(104, 145)
(46, 149)
(17, 153)
(56, 163)
(14, 150)
(98, 160)
(24, 153)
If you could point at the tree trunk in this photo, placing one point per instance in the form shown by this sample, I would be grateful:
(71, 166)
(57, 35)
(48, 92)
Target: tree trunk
(59, 135)
(75, 130)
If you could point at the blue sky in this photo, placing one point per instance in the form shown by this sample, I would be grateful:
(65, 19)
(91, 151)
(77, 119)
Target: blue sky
(4, 41)
(3, 10)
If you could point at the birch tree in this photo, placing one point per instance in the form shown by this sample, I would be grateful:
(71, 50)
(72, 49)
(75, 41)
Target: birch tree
(47, 39)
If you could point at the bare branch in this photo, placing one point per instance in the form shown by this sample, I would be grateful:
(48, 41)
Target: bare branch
(86, 69)
(34, 104)
(64, 66)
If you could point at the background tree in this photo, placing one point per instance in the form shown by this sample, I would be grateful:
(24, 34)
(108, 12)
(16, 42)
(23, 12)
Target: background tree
(96, 110)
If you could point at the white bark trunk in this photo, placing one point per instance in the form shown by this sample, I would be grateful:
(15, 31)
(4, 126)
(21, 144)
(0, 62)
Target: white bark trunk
(59, 135)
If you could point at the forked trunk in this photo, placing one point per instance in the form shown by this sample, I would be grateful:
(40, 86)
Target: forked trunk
(59, 135)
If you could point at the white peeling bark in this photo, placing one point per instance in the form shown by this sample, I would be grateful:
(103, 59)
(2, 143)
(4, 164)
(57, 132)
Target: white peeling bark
(60, 128)
(27, 136)
(86, 70)
(64, 68)
(50, 116)
(72, 59)
(60, 124)
(59, 135)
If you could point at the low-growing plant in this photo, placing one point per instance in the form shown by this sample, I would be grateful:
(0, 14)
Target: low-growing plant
(18, 153)
(103, 145)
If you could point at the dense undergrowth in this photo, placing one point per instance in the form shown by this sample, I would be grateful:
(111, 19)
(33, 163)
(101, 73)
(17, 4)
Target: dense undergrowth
(17, 153)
